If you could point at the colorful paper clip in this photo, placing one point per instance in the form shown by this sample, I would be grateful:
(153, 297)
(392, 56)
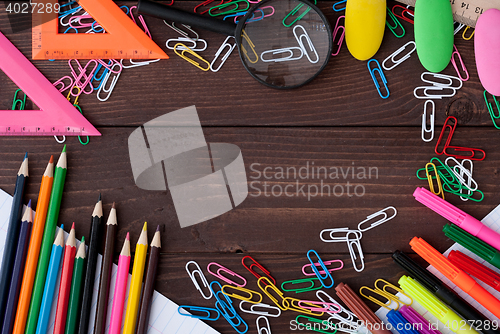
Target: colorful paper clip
(349, 316)
(294, 306)
(283, 304)
(326, 278)
(494, 117)
(409, 13)
(382, 77)
(319, 306)
(430, 177)
(203, 279)
(207, 313)
(258, 265)
(432, 117)
(396, 53)
(393, 302)
(294, 12)
(233, 318)
(63, 85)
(265, 328)
(338, 27)
(230, 47)
(382, 220)
(312, 285)
(454, 63)
(252, 47)
(321, 271)
(356, 240)
(472, 151)
(221, 9)
(184, 49)
(395, 24)
(251, 294)
(205, 3)
(333, 231)
(470, 36)
(339, 6)
(15, 101)
(253, 307)
(330, 328)
(310, 44)
(222, 269)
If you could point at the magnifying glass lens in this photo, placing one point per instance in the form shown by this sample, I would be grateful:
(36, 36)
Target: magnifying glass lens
(284, 43)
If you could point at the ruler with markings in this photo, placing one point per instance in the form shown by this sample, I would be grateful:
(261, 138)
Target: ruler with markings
(466, 11)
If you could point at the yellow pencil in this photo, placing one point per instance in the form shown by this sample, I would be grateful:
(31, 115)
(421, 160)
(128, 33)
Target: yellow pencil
(134, 294)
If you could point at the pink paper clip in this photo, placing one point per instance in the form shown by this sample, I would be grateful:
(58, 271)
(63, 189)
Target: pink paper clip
(338, 27)
(78, 83)
(78, 19)
(61, 82)
(228, 272)
(325, 307)
(408, 12)
(258, 265)
(141, 19)
(110, 66)
(473, 151)
(322, 271)
(456, 53)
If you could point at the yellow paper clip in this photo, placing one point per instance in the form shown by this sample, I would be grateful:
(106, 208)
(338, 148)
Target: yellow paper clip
(393, 295)
(284, 304)
(250, 294)
(438, 180)
(77, 96)
(465, 30)
(189, 60)
(252, 47)
(389, 298)
(294, 306)
(384, 303)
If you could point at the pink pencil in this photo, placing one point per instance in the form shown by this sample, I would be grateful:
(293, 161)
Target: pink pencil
(120, 288)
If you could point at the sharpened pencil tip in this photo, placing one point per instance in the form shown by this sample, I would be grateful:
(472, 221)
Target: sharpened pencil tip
(128, 236)
(158, 228)
(26, 155)
(98, 208)
(83, 239)
(64, 149)
(99, 197)
(145, 226)
(62, 227)
(113, 206)
(29, 204)
(51, 161)
(73, 226)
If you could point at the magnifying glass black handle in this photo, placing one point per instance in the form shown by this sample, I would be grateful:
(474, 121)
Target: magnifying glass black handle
(168, 13)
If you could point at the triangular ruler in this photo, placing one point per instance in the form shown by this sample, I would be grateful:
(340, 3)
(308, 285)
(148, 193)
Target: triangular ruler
(57, 117)
(123, 38)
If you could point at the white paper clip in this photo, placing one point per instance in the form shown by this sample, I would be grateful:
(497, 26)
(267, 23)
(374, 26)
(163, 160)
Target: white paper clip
(282, 51)
(469, 178)
(350, 328)
(253, 307)
(225, 56)
(448, 78)
(424, 121)
(263, 329)
(202, 278)
(185, 41)
(137, 63)
(461, 172)
(349, 316)
(452, 92)
(112, 85)
(309, 42)
(396, 53)
(332, 231)
(356, 241)
(378, 222)
(457, 29)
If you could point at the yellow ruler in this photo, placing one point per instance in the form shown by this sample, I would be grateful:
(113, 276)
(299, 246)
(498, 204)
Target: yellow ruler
(466, 11)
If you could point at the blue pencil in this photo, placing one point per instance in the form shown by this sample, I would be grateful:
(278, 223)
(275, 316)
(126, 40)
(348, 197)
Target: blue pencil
(17, 272)
(50, 283)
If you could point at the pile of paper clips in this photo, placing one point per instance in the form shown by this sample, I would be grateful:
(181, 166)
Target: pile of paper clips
(318, 276)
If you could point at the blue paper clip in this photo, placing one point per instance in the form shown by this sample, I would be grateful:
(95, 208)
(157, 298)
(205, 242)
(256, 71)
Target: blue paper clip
(226, 308)
(399, 323)
(335, 5)
(326, 275)
(494, 117)
(208, 310)
(382, 76)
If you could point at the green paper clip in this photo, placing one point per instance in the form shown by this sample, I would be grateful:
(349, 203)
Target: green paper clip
(396, 24)
(230, 11)
(16, 100)
(310, 280)
(295, 11)
(490, 109)
(330, 326)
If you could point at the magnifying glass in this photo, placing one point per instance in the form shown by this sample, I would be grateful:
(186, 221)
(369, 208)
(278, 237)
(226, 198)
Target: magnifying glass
(282, 43)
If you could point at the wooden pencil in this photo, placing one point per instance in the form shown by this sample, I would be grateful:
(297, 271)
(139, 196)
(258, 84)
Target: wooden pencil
(65, 284)
(134, 293)
(107, 265)
(50, 283)
(147, 295)
(115, 325)
(34, 248)
(17, 271)
(12, 236)
(76, 289)
(88, 283)
(47, 240)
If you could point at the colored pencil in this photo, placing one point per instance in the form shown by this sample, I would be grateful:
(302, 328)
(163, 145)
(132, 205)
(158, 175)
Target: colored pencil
(17, 272)
(65, 285)
(107, 265)
(147, 295)
(50, 283)
(47, 240)
(88, 284)
(115, 325)
(12, 236)
(134, 293)
(76, 289)
(34, 248)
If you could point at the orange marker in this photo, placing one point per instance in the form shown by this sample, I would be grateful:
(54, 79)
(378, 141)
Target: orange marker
(457, 276)
(123, 38)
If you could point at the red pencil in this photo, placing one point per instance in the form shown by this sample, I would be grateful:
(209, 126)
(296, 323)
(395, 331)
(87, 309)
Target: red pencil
(65, 285)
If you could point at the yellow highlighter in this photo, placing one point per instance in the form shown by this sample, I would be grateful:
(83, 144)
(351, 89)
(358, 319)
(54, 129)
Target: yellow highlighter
(431, 303)
(134, 294)
(364, 27)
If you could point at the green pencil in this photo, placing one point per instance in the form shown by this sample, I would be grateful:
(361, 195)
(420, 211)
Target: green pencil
(47, 241)
(75, 293)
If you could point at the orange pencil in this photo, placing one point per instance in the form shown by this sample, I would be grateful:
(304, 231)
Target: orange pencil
(34, 248)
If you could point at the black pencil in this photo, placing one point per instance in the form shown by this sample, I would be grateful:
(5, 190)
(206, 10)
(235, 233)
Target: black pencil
(88, 286)
(10, 247)
(147, 293)
(18, 270)
(107, 265)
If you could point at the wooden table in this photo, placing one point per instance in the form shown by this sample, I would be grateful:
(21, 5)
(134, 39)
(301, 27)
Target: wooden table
(338, 120)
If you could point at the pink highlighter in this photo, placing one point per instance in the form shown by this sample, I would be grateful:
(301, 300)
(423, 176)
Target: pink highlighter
(457, 217)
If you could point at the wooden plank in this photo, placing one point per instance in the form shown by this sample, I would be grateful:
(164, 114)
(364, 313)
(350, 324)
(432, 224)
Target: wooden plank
(344, 94)
(268, 223)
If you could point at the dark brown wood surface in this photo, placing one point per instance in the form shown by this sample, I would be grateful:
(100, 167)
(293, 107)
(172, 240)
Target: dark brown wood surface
(338, 120)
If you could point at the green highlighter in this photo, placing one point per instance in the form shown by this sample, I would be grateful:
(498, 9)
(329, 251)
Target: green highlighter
(475, 245)
(434, 33)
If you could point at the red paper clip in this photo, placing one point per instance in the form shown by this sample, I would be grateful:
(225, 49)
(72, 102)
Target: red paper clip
(447, 147)
(402, 15)
(206, 3)
(475, 269)
(258, 265)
